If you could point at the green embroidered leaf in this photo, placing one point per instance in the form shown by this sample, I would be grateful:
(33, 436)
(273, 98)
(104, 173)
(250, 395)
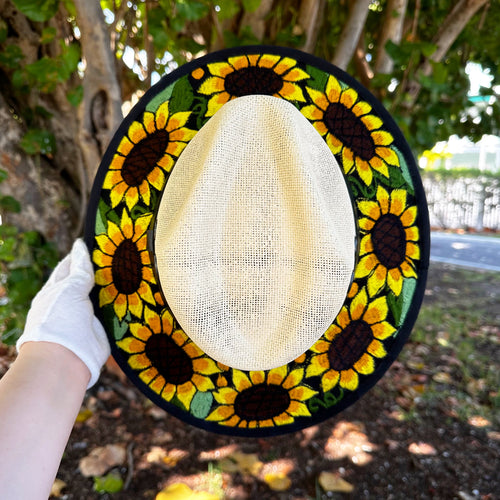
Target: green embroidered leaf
(182, 96)
(317, 78)
(158, 100)
(201, 404)
(409, 286)
(404, 169)
(119, 328)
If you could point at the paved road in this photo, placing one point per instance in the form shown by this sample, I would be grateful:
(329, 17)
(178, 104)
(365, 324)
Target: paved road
(479, 252)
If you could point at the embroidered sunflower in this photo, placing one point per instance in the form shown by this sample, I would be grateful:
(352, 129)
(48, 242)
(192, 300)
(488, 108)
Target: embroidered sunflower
(389, 247)
(265, 74)
(168, 361)
(262, 399)
(124, 272)
(145, 153)
(350, 346)
(351, 130)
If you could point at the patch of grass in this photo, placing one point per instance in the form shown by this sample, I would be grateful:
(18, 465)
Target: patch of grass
(456, 342)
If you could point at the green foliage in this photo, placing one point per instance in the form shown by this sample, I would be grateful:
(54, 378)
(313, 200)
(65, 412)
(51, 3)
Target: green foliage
(25, 262)
(110, 483)
(37, 141)
(37, 10)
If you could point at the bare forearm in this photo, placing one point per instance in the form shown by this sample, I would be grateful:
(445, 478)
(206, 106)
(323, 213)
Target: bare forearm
(40, 397)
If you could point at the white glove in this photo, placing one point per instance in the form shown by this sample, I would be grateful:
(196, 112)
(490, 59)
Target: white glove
(62, 312)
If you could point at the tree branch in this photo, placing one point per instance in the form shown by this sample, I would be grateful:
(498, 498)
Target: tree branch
(449, 31)
(392, 29)
(310, 17)
(101, 107)
(351, 32)
(257, 19)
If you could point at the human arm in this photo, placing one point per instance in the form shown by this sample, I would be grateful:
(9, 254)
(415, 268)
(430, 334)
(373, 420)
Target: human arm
(61, 353)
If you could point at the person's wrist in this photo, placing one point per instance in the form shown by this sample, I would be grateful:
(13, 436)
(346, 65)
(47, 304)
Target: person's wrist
(64, 364)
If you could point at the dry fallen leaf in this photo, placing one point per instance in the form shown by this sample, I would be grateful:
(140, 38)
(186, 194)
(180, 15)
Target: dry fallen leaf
(84, 414)
(241, 462)
(278, 481)
(422, 449)
(101, 459)
(331, 481)
(57, 488)
(181, 491)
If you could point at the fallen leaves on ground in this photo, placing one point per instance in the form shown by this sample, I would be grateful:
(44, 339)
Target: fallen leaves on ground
(181, 491)
(102, 459)
(332, 481)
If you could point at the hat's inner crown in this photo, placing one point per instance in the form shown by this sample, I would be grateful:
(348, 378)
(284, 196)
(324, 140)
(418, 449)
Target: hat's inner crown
(255, 235)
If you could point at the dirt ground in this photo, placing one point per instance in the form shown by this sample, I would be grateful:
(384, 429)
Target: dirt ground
(428, 429)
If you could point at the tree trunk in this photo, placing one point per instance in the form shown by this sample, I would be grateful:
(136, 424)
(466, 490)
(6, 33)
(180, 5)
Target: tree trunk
(392, 29)
(351, 33)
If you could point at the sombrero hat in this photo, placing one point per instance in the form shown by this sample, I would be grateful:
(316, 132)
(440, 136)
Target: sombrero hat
(260, 239)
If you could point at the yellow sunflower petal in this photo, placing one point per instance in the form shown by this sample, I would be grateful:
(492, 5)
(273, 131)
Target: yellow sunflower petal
(220, 414)
(366, 265)
(382, 138)
(148, 120)
(364, 170)
(221, 69)
(376, 311)
(277, 375)
(148, 375)
(395, 281)
(318, 98)
(349, 380)
(185, 393)
(268, 60)
(216, 102)
(136, 132)
(203, 384)
(312, 112)
(377, 349)
(333, 89)
(104, 276)
(225, 395)
(238, 62)
(131, 345)
(291, 92)
(388, 155)
(366, 244)
(383, 199)
(114, 175)
(361, 108)
(283, 419)
(118, 192)
(161, 116)
(257, 377)
(139, 361)
(377, 280)
(302, 393)
(409, 216)
(135, 304)
(140, 331)
(212, 85)
(125, 146)
(365, 365)
(329, 380)
(108, 295)
(298, 409)
(398, 201)
(178, 120)
(294, 378)
(371, 122)
(382, 331)
(318, 365)
(358, 305)
(348, 98)
(240, 380)
(120, 306)
(295, 75)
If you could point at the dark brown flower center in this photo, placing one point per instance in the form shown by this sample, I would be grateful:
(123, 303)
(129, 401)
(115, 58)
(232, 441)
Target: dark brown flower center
(349, 345)
(389, 241)
(126, 268)
(143, 157)
(171, 361)
(253, 80)
(261, 402)
(349, 130)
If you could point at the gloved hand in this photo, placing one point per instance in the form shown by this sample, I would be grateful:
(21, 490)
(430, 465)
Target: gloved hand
(62, 312)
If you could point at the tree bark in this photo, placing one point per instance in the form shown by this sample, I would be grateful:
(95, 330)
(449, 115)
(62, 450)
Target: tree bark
(453, 25)
(351, 33)
(257, 19)
(392, 29)
(310, 16)
(100, 112)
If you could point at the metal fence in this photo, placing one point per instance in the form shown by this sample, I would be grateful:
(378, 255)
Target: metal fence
(463, 203)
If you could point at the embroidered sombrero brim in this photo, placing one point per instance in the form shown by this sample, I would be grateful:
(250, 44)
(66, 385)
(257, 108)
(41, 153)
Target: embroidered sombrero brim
(381, 304)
